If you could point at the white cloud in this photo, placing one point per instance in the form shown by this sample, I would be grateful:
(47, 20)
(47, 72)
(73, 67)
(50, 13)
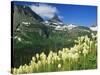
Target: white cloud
(44, 10)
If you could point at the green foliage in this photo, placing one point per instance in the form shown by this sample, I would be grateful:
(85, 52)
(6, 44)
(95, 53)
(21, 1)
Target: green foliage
(83, 55)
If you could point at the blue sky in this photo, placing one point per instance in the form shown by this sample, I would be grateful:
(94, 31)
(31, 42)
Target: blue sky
(69, 14)
(80, 15)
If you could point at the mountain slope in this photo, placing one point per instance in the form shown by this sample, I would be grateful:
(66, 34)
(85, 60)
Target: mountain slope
(25, 20)
(94, 28)
(23, 14)
(55, 19)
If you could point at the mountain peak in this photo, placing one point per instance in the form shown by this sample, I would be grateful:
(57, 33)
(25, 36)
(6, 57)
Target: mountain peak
(55, 19)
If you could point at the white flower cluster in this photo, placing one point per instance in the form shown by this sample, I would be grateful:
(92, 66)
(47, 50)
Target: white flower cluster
(56, 60)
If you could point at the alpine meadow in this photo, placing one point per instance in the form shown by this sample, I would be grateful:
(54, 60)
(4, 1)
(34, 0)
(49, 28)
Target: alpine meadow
(48, 37)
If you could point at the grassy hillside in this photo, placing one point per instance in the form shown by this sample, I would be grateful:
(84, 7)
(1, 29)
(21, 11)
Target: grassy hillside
(35, 43)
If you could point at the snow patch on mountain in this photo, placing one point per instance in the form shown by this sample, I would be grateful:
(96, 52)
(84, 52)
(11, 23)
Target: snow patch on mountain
(70, 26)
(94, 28)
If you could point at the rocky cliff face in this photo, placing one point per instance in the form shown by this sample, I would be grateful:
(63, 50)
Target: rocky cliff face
(25, 20)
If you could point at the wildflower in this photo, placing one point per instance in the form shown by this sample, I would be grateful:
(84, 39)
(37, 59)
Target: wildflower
(82, 38)
(42, 56)
(64, 56)
(33, 59)
(76, 41)
(73, 50)
(59, 52)
(59, 58)
(30, 69)
(23, 68)
(65, 49)
(85, 46)
(18, 29)
(93, 36)
(55, 56)
(19, 70)
(51, 52)
(37, 56)
(46, 61)
(19, 39)
(52, 62)
(49, 58)
(59, 65)
(20, 66)
(14, 71)
(75, 56)
(26, 68)
(85, 52)
(39, 63)
(91, 42)
(80, 52)
(70, 55)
